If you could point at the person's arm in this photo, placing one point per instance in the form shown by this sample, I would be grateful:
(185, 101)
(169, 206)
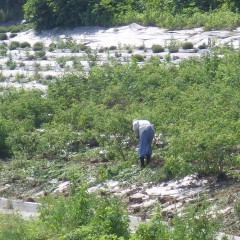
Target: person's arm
(137, 133)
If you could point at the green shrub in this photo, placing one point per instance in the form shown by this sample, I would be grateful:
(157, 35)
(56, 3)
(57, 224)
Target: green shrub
(2, 77)
(3, 30)
(3, 49)
(52, 47)
(13, 45)
(12, 35)
(193, 225)
(173, 49)
(203, 46)
(173, 46)
(237, 209)
(31, 57)
(157, 48)
(142, 47)
(13, 227)
(11, 64)
(38, 46)
(14, 28)
(24, 45)
(112, 48)
(39, 54)
(3, 36)
(101, 50)
(187, 45)
(83, 215)
(138, 57)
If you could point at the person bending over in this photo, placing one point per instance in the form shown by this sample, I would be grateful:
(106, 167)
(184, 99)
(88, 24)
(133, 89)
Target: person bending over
(144, 132)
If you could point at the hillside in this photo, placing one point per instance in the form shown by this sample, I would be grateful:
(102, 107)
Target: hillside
(69, 124)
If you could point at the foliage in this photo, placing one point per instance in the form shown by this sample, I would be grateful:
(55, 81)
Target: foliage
(138, 57)
(187, 45)
(197, 103)
(3, 49)
(195, 224)
(83, 214)
(173, 14)
(13, 227)
(13, 45)
(157, 48)
(24, 45)
(3, 36)
(38, 46)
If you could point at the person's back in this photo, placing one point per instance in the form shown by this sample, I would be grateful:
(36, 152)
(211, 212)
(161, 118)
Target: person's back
(145, 132)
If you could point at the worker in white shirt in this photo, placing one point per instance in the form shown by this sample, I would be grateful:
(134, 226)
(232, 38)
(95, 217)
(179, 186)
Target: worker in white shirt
(144, 132)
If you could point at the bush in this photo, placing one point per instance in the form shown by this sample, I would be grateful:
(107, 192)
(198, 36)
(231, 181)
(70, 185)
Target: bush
(12, 35)
(173, 49)
(187, 45)
(138, 57)
(173, 46)
(3, 49)
(24, 45)
(203, 46)
(31, 57)
(195, 224)
(11, 64)
(3, 36)
(38, 46)
(142, 47)
(39, 54)
(13, 227)
(112, 48)
(52, 47)
(13, 45)
(84, 215)
(157, 48)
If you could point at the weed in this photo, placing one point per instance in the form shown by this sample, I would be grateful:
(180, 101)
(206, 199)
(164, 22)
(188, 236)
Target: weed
(157, 48)
(111, 48)
(3, 36)
(11, 64)
(24, 45)
(52, 47)
(38, 46)
(203, 46)
(12, 35)
(13, 45)
(3, 49)
(39, 54)
(187, 45)
(141, 47)
(138, 57)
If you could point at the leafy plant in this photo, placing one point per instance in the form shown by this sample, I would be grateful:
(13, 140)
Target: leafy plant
(157, 48)
(12, 35)
(38, 46)
(3, 49)
(24, 45)
(3, 36)
(187, 45)
(138, 57)
(13, 45)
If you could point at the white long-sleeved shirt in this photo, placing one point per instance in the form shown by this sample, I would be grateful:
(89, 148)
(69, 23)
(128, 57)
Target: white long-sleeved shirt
(139, 126)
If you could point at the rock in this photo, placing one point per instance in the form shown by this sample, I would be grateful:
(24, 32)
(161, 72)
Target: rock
(138, 198)
(171, 209)
(165, 199)
(62, 188)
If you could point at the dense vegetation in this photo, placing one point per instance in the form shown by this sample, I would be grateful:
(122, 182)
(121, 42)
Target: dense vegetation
(194, 105)
(164, 13)
(89, 217)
